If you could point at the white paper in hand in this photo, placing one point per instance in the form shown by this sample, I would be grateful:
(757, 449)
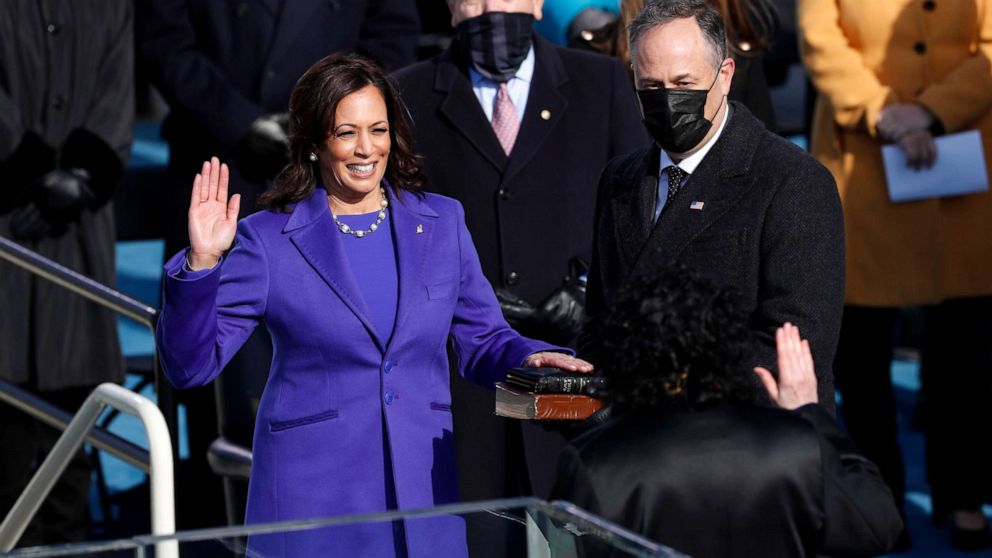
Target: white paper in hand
(959, 169)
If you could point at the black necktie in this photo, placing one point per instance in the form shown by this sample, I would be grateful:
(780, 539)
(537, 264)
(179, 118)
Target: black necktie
(675, 176)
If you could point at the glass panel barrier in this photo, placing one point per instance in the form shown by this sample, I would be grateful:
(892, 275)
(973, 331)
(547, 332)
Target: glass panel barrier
(523, 527)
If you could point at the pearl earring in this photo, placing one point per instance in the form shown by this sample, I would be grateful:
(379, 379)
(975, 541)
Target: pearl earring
(313, 157)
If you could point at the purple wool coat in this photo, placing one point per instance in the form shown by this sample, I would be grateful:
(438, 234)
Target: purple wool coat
(336, 388)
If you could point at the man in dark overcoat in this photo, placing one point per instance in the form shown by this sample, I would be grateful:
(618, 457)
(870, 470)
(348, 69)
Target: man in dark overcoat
(719, 193)
(66, 113)
(518, 130)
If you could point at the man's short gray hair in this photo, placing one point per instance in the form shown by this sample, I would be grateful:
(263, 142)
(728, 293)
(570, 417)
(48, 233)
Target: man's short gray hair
(660, 12)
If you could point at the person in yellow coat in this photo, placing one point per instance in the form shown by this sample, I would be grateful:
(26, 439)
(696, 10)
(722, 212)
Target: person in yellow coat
(903, 72)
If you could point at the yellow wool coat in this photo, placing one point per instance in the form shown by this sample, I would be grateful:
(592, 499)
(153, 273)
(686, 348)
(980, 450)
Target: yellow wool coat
(863, 55)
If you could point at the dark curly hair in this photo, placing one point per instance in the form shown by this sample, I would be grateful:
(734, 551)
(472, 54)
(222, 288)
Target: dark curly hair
(312, 106)
(675, 339)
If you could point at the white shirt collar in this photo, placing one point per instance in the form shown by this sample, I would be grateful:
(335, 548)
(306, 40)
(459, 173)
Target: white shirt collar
(690, 163)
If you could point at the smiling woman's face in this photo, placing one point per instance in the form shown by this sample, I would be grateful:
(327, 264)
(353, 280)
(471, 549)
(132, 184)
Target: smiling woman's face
(354, 156)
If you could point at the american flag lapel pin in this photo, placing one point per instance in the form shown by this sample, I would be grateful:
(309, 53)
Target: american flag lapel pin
(697, 205)
(420, 229)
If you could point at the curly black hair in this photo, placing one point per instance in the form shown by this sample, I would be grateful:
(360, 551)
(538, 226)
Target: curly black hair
(675, 338)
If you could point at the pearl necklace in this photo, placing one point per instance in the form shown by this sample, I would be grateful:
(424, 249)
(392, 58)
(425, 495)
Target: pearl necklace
(372, 228)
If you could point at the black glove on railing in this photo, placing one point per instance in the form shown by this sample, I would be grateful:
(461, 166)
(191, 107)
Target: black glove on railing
(264, 150)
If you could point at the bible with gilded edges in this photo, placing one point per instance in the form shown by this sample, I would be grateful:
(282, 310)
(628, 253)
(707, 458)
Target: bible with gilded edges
(513, 402)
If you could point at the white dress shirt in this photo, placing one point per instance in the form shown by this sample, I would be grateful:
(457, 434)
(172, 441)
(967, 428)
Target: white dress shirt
(518, 87)
(688, 166)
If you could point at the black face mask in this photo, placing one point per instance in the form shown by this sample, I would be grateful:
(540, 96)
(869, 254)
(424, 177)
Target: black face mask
(496, 43)
(676, 118)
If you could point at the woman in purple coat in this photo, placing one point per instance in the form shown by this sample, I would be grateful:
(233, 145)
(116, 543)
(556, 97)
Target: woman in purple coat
(363, 283)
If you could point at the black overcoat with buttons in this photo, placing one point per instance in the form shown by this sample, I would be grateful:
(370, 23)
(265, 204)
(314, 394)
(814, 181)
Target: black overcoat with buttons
(530, 213)
(66, 100)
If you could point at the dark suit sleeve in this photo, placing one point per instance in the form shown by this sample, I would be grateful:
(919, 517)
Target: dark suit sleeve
(628, 133)
(801, 279)
(110, 113)
(11, 127)
(860, 515)
(389, 33)
(189, 80)
(595, 307)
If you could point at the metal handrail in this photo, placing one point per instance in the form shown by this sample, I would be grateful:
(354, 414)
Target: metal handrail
(104, 296)
(49, 414)
(78, 283)
(159, 470)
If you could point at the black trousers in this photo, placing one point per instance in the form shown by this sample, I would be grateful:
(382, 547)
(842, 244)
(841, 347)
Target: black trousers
(862, 374)
(956, 369)
(64, 516)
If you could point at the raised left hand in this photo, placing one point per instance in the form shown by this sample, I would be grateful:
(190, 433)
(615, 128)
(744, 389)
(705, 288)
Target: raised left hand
(548, 359)
(796, 383)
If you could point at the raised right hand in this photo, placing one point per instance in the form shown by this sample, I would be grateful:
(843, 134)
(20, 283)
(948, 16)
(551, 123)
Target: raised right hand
(213, 220)
(796, 385)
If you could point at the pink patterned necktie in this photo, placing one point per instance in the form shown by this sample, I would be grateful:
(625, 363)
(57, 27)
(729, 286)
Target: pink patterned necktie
(506, 124)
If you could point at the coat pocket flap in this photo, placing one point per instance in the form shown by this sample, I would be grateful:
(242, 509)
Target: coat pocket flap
(441, 290)
(276, 426)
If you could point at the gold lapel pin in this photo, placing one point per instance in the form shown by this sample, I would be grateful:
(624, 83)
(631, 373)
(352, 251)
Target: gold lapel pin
(545, 114)
(420, 229)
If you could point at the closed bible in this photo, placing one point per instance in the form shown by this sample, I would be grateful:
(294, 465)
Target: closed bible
(549, 380)
(516, 403)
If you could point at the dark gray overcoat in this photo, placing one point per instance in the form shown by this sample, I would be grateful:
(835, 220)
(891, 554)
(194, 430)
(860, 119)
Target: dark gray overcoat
(66, 92)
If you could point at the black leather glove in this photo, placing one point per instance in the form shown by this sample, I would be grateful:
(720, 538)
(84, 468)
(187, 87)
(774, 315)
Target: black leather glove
(59, 197)
(31, 159)
(264, 150)
(559, 316)
(27, 223)
(517, 311)
(62, 194)
(85, 152)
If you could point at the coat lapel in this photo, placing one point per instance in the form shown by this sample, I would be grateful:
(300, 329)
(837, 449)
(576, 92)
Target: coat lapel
(318, 239)
(413, 229)
(633, 205)
(462, 110)
(544, 100)
(719, 182)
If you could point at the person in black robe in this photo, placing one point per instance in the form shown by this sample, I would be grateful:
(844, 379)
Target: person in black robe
(691, 461)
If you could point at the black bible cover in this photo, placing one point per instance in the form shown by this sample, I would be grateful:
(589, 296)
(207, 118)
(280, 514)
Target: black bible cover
(548, 380)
